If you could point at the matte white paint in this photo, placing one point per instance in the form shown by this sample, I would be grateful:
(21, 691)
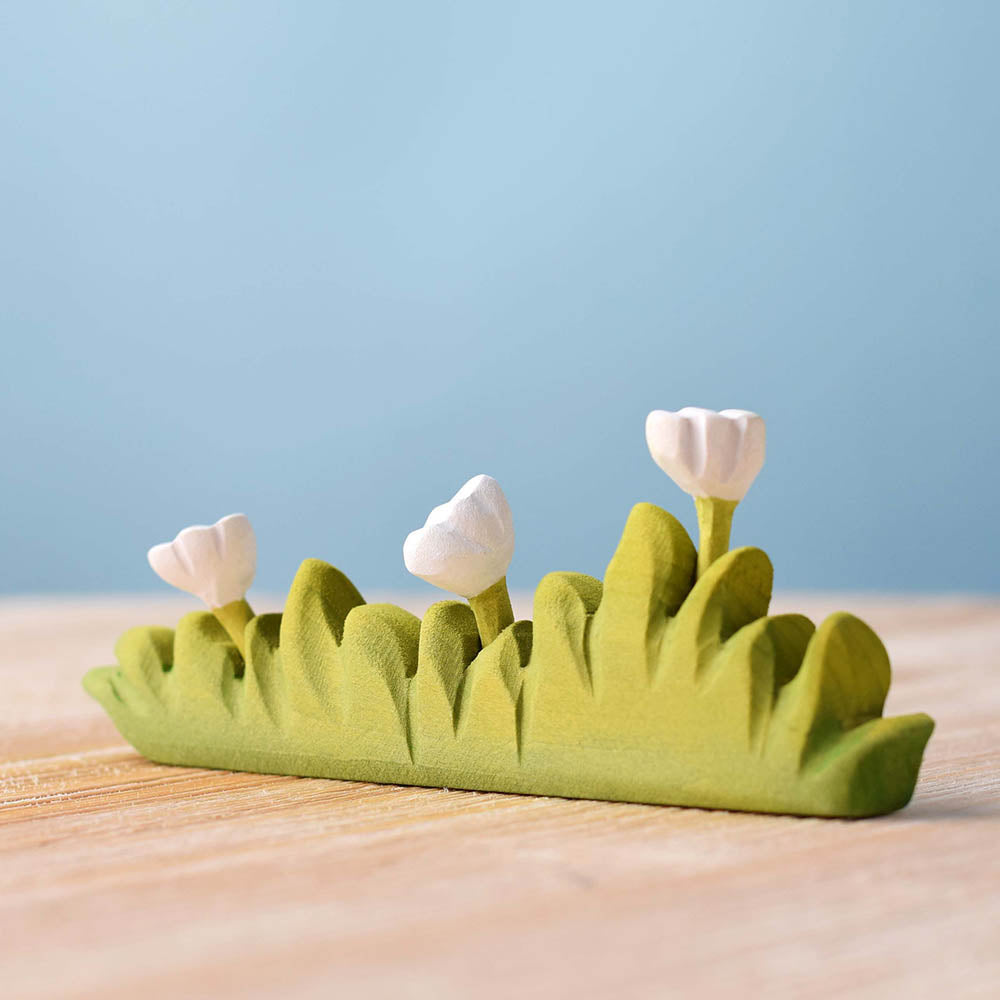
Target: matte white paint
(215, 562)
(466, 544)
(708, 454)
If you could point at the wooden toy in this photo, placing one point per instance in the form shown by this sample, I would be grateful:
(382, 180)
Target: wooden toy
(667, 682)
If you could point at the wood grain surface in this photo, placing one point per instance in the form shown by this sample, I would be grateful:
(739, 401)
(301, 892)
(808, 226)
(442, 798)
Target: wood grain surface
(122, 878)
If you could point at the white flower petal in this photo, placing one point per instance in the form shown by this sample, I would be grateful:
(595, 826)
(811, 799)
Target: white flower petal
(708, 454)
(215, 562)
(466, 544)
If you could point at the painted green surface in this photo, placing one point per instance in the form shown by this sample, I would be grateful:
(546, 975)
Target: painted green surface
(646, 688)
(234, 618)
(715, 524)
(492, 610)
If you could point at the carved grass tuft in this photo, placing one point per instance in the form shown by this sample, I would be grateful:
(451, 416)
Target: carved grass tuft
(648, 688)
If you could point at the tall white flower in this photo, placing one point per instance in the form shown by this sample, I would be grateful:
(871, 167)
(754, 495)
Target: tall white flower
(465, 546)
(714, 457)
(215, 562)
(708, 454)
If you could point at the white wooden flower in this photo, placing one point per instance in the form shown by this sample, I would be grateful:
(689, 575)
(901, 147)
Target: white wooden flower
(466, 544)
(708, 454)
(215, 562)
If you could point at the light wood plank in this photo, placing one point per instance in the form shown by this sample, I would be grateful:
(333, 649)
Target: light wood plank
(122, 878)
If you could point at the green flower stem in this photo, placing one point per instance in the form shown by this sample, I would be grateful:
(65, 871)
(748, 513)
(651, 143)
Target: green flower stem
(492, 610)
(715, 521)
(234, 617)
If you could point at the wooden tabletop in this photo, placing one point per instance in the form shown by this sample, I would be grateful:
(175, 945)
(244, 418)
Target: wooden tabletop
(122, 878)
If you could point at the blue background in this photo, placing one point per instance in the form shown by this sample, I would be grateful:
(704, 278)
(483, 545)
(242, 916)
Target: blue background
(322, 262)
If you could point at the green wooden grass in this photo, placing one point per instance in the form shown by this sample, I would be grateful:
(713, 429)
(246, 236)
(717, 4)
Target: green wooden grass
(646, 688)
